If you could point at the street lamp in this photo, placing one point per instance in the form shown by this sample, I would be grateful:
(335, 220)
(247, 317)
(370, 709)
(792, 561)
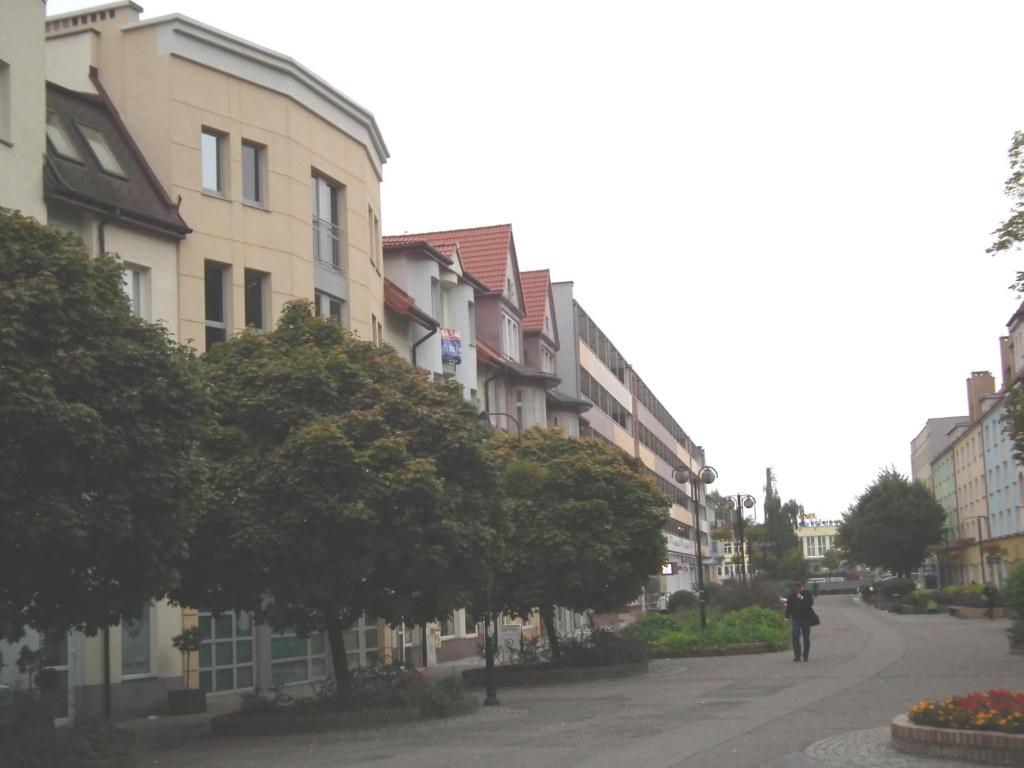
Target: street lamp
(743, 501)
(491, 620)
(703, 476)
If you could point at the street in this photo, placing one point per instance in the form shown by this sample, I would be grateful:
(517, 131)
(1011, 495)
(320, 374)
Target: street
(866, 666)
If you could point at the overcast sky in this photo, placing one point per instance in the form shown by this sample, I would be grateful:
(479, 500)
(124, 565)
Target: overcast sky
(778, 212)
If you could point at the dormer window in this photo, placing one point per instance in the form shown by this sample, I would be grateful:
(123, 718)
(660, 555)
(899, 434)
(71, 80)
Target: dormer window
(98, 144)
(508, 286)
(510, 338)
(59, 139)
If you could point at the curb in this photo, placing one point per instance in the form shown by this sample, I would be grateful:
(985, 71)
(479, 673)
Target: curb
(988, 747)
(536, 674)
(735, 649)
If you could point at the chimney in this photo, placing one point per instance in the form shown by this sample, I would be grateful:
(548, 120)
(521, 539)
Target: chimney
(1006, 361)
(980, 384)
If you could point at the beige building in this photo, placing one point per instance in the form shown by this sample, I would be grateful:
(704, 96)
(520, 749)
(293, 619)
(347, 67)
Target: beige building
(22, 107)
(278, 172)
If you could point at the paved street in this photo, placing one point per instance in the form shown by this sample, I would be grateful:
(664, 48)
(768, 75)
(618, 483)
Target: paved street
(866, 666)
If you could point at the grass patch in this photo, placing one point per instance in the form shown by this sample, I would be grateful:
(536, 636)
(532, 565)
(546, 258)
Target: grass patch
(682, 634)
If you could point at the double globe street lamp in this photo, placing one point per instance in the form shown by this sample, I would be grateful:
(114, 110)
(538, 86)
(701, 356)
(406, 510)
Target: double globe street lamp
(703, 476)
(743, 501)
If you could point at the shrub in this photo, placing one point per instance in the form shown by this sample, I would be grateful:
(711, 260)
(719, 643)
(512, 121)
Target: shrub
(996, 710)
(747, 625)
(1013, 590)
(681, 599)
(736, 595)
(712, 593)
(902, 587)
(603, 647)
(651, 626)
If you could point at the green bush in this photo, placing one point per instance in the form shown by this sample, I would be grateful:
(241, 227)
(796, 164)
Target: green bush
(1013, 590)
(902, 587)
(603, 647)
(681, 599)
(747, 625)
(79, 747)
(736, 595)
(650, 626)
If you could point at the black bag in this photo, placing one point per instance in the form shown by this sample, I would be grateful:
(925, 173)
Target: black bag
(815, 621)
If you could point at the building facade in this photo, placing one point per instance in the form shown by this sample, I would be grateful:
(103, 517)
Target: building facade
(278, 172)
(933, 439)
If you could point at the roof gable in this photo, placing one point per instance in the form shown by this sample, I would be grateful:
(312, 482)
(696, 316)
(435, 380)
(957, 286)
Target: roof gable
(540, 304)
(488, 254)
(134, 195)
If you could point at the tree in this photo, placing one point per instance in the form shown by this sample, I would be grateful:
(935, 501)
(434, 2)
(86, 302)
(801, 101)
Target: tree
(99, 416)
(586, 525)
(342, 482)
(892, 524)
(724, 508)
(830, 560)
(780, 520)
(793, 566)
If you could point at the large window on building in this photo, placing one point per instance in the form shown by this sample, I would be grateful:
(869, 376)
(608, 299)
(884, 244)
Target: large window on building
(136, 287)
(361, 643)
(216, 280)
(225, 652)
(510, 337)
(213, 151)
(330, 307)
(254, 173)
(295, 659)
(604, 400)
(328, 229)
(137, 644)
(257, 294)
(101, 150)
(59, 138)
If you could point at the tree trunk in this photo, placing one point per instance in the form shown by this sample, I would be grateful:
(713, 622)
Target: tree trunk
(339, 658)
(547, 615)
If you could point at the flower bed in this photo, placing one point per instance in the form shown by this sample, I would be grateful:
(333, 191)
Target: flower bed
(956, 744)
(996, 710)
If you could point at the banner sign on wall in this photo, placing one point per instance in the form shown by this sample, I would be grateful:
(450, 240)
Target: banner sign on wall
(451, 346)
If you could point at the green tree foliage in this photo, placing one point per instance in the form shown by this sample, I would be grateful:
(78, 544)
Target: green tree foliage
(724, 508)
(99, 415)
(342, 482)
(1010, 233)
(585, 525)
(892, 524)
(830, 561)
(793, 566)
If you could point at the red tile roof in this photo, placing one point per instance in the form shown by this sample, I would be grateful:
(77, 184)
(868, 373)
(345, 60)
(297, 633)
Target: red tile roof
(484, 250)
(394, 242)
(401, 302)
(535, 295)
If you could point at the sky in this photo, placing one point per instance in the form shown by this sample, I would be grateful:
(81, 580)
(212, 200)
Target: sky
(777, 211)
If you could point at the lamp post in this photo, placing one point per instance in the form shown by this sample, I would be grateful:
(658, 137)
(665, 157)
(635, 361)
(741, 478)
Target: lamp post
(491, 620)
(743, 501)
(703, 476)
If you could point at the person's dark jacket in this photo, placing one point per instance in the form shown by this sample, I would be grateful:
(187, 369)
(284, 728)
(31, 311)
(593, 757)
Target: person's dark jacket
(798, 607)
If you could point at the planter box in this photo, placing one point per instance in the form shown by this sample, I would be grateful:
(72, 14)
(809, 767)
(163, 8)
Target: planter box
(974, 612)
(186, 701)
(985, 747)
(516, 675)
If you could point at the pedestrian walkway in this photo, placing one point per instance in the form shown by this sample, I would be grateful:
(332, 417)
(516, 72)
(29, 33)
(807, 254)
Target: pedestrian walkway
(741, 712)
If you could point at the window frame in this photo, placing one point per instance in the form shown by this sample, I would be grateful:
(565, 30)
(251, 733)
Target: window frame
(224, 323)
(220, 146)
(310, 658)
(259, 173)
(321, 298)
(58, 126)
(264, 297)
(147, 616)
(335, 225)
(93, 137)
(137, 278)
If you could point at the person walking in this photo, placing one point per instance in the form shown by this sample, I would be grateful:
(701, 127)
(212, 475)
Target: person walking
(801, 617)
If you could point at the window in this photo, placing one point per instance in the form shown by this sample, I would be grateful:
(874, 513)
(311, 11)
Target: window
(328, 233)
(509, 286)
(510, 338)
(136, 283)
(59, 139)
(212, 150)
(136, 647)
(519, 407)
(5, 101)
(361, 644)
(374, 224)
(100, 148)
(254, 173)
(225, 652)
(435, 300)
(215, 276)
(471, 327)
(256, 284)
(547, 361)
(294, 659)
(330, 307)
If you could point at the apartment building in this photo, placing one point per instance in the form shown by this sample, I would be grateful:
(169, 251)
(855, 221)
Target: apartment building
(933, 439)
(627, 414)
(277, 171)
(22, 107)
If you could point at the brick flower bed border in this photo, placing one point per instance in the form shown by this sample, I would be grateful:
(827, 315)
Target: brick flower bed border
(986, 747)
(286, 720)
(522, 675)
(734, 649)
